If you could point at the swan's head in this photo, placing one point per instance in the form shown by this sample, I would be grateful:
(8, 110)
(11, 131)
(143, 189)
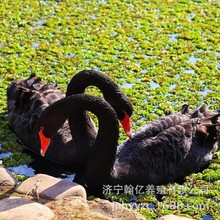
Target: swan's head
(124, 110)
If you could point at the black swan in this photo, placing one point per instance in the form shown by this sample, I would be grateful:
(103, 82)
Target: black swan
(161, 152)
(28, 98)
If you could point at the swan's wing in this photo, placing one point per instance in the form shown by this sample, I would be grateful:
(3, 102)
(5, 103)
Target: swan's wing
(172, 154)
(150, 160)
(26, 100)
(155, 127)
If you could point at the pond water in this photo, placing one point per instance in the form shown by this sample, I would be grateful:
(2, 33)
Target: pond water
(39, 165)
(23, 170)
(190, 18)
(193, 59)
(173, 37)
(204, 92)
(207, 217)
(5, 154)
(70, 55)
(38, 24)
(144, 71)
(35, 44)
(127, 85)
(189, 71)
(42, 165)
(172, 86)
(154, 85)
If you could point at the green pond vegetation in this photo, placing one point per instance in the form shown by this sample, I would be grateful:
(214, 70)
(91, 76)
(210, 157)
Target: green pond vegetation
(162, 53)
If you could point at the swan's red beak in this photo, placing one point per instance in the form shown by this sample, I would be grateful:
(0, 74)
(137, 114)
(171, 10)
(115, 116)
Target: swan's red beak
(44, 142)
(126, 124)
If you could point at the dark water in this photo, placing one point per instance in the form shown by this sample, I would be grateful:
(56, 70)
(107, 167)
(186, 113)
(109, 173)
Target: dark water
(42, 165)
(39, 165)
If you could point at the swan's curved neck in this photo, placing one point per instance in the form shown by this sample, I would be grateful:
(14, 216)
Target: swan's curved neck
(111, 93)
(82, 128)
(104, 149)
(85, 78)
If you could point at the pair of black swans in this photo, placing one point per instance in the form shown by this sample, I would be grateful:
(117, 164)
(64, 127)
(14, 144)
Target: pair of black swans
(59, 127)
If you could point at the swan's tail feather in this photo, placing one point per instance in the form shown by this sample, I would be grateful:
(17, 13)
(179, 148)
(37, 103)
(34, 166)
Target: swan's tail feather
(213, 119)
(184, 109)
